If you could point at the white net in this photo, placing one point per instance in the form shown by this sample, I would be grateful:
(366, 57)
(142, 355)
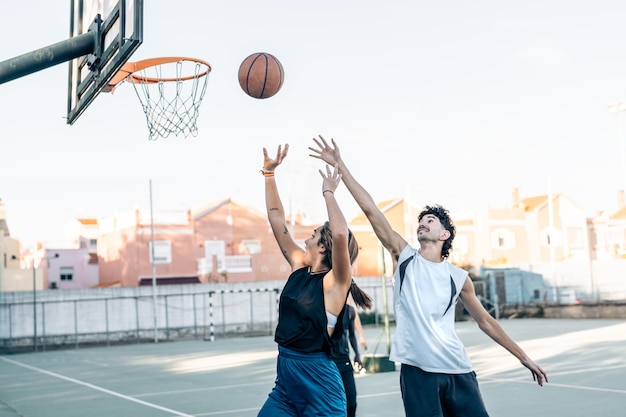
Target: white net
(170, 94)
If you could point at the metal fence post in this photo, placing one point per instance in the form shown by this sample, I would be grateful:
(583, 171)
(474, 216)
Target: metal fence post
(76, 324)
(211, 327)
(223, 314)
(251, 310)
(106, 319)
(43, 326)
(137, 318)
(167, 318)
(195, 316)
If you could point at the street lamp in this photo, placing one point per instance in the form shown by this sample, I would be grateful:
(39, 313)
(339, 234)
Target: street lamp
(618, 109)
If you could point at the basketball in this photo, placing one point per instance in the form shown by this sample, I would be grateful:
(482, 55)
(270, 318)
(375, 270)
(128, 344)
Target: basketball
(261, 75)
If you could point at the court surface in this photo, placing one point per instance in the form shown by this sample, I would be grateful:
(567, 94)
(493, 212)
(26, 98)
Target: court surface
(585, 361)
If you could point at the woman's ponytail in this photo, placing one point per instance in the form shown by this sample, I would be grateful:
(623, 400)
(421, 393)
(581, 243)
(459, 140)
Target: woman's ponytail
(360, 297)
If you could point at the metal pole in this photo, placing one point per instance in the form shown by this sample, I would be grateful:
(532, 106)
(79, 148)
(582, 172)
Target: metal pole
(551, 242)
(618, 110)
(47, 57)
(211, 326)
(622, 146)
(154, 310)
(385, 305)
(34, 306)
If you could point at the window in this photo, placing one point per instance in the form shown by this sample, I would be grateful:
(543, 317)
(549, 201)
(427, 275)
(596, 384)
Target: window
(502, 239)
(550, 237)
(67, 273)
(162, 251)
(250, 246)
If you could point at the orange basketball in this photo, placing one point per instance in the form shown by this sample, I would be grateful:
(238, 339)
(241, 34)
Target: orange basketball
(261, 75)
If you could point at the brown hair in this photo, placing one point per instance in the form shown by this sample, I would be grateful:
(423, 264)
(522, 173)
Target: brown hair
(359, 296)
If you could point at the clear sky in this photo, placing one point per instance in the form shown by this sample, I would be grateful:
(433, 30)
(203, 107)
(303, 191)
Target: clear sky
(451, 102)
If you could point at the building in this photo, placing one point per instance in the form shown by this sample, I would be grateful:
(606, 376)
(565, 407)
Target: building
(534, 230)
(222, 241)
(11, 277)
(373, 260)
(75, 266)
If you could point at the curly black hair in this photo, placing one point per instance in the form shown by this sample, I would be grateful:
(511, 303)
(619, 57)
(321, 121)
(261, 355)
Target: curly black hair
(444, 217)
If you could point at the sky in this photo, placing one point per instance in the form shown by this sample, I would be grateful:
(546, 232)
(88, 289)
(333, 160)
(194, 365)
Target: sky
(455, 103)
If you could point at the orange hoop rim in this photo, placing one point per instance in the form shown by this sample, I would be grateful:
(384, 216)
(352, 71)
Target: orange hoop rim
(127, 71)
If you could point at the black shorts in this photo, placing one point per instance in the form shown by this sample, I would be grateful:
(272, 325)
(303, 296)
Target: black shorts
(427, 394)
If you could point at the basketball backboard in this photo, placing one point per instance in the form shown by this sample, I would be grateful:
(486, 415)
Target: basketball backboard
(120, 27)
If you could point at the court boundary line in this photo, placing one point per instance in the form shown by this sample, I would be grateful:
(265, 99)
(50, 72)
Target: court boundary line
(95, 387)
(551, 384)
(222, 412)
(183, 391)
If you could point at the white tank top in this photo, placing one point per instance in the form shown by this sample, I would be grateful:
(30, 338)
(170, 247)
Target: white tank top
(424, 304)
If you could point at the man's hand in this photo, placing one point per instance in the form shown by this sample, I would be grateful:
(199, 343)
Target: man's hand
(358, 365)
(325, 152)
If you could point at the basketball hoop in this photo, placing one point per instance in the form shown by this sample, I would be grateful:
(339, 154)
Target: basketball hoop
(170, 91)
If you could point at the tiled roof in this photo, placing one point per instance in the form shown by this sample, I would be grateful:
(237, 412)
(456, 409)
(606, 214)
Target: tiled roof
(383, 206)
(210, 207)
(88, 222)
(508, 213)
(464, 222)
(619, 214)
(531, 203)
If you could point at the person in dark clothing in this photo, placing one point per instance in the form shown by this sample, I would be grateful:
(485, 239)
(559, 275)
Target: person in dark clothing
(341, 355)
(311, 305)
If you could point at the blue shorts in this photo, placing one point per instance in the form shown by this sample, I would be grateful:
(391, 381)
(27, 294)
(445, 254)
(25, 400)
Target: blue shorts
(307, 385)
(427, 394)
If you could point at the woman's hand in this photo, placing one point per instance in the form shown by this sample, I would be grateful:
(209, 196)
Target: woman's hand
(331, 179)
(270, 164)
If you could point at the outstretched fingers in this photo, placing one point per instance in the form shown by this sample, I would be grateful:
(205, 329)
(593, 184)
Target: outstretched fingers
(281, 154)
(331, 178)
(324, 151)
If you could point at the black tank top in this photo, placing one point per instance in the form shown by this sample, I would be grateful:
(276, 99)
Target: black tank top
(302, 316)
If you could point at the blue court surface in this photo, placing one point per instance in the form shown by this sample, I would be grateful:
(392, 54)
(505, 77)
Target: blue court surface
(585, 361)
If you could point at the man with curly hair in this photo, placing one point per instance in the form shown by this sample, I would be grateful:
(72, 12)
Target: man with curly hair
(436, 376)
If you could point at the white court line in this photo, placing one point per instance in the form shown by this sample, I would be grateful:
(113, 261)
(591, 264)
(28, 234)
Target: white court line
(88, 385)
(549, 384)
(182, 391)
(221, 413)
(486, 380)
